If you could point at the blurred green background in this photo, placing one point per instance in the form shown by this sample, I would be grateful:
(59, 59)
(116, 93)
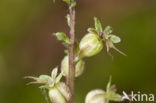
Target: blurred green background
(27, 46)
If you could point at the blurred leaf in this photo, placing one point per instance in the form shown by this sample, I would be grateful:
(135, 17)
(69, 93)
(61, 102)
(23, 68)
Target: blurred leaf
(114, 38)
(112, 96)
(45, 78)
(108, 30)
(98, 25)
(58, 78)
(109, 84)
(54, 73)
(62, 37)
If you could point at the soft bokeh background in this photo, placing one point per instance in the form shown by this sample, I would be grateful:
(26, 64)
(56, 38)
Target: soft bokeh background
(28, 48)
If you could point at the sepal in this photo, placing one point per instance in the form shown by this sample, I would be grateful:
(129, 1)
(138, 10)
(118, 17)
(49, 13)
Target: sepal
(108, 30)
(114, 38)
(100, 96)
(45, 80)
(98, 25)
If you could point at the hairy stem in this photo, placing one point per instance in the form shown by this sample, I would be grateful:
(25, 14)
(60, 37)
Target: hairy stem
(71, 76)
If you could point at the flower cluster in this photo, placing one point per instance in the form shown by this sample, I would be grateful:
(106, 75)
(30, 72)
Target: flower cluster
(58, 91)
(101, 96)
(93, 42)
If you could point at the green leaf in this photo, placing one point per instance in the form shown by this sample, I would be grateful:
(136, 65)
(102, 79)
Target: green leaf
(112, 96)
(68, 19)
(44, 78)
(54, 73)
(109, 85)
(98, 25)
(108, 30)
(111, 92)
(62, 37)
(114, 38)
(58, 78)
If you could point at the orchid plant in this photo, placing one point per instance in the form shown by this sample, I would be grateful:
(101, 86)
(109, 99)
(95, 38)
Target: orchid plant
(73, 63)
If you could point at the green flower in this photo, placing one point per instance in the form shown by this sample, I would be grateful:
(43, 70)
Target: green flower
(79, 68)
(90, 45)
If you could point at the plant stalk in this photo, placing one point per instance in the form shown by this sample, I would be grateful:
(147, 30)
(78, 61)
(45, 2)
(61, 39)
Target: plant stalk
(71, 75)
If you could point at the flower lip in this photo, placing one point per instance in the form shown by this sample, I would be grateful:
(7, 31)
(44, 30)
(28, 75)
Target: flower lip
(101, 36)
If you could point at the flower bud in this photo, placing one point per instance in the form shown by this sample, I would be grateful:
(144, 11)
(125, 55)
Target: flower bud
(95, 96)
(64, 89)
(90, 45)
(65, 67)
(55, 96)
(59, 93)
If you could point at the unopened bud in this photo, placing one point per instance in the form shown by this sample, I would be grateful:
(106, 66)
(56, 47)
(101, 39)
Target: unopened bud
(60, 93)
(90, 45)
(95, 96)
(65, 67)
(55, 96)
(64, 89)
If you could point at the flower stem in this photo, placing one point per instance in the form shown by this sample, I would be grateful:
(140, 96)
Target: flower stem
(70, 78)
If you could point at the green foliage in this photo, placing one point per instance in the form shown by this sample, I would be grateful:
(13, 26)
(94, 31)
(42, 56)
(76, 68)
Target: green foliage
(62, 37)
(114, 38)
(111, 94)
(44, 78)
(106, 35)
(54, 73)
(107, 30)
(58, 78)
(108, 85)
(98, 25)
(47, 81)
